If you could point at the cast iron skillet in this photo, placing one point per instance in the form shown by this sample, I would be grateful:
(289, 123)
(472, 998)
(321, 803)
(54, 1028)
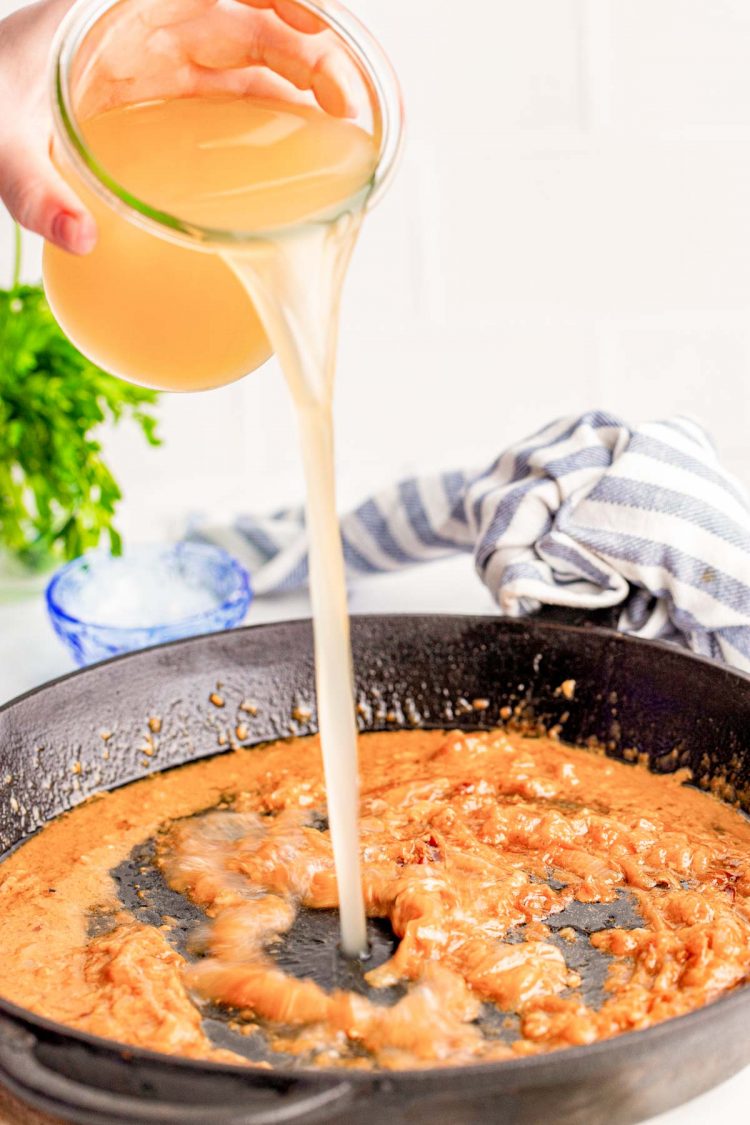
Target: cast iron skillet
(410, 670)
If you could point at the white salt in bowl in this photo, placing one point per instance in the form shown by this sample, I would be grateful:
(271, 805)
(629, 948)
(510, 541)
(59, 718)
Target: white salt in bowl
(101, 605)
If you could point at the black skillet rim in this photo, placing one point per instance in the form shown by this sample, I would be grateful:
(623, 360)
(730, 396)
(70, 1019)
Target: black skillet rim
(522, 1067)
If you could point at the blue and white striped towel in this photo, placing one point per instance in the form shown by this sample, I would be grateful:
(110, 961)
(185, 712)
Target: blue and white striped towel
(590, 513)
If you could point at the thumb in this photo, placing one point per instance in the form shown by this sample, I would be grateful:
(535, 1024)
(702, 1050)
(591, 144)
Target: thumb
(40, 200)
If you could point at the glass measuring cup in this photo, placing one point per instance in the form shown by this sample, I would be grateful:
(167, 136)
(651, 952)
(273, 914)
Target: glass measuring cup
(155, 303)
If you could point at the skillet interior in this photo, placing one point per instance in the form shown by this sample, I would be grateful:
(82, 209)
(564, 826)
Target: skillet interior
(411, 671)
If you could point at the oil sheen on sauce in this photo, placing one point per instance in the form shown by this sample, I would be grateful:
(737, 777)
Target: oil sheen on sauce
(242, 164)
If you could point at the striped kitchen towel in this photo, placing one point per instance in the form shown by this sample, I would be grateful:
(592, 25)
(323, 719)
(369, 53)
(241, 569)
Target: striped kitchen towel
(590, 512)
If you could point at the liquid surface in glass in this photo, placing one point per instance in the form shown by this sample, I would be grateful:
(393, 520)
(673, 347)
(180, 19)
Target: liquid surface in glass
(165, 315)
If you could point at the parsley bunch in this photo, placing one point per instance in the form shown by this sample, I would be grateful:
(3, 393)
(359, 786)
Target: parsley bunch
(57, 495)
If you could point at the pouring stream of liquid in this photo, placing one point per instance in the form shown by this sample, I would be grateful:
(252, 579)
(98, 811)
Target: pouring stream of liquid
(241, 164)
(296, 283)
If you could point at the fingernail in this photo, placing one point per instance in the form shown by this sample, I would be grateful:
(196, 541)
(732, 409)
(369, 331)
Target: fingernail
(74, 233)
(332, 95)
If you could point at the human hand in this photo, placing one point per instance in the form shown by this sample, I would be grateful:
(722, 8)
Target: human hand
(148, 49)
(30, 186)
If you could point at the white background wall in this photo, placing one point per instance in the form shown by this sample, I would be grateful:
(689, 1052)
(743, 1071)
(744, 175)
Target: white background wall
(570, 229)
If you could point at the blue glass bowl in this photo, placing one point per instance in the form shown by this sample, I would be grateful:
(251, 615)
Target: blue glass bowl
(101, 605)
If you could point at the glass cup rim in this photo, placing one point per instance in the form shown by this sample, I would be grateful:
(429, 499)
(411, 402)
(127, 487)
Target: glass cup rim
(360, 42)
(241, 593)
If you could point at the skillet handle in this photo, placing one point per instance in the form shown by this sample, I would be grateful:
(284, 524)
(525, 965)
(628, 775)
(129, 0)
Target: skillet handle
(24, 1073)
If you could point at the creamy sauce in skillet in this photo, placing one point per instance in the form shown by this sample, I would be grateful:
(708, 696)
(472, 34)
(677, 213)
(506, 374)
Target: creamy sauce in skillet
(472, 844)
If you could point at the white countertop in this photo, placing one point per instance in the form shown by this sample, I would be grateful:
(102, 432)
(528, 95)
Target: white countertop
(30, 654)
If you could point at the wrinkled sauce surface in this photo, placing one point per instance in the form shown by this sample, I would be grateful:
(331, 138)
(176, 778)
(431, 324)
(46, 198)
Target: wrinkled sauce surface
(465, 838)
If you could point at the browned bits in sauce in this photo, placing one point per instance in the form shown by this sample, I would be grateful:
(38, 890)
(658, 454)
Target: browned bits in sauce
(216, 699)
(472, 844)
(249, 707)
(154, 724)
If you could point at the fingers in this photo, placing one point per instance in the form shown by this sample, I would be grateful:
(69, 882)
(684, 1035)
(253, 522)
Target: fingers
(165, 13)
(40, 200)
(242, 37)
(30, 186)
(318, 64)
(251, 81)
(167, 49)
(291, 13)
